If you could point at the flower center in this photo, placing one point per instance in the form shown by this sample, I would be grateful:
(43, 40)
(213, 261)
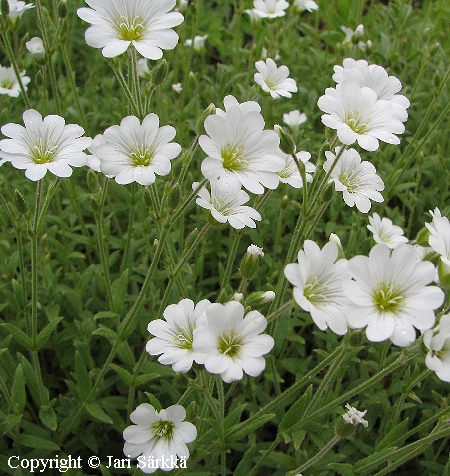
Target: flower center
(130, 29)
(7, 84)
(141, 156)
(230, 344)
(163, 429)
(350, 181)
(355, 122)
(234, 158)
(41, 153)
(313, 290)
(387, 298)
(270, 84)
(185, 338)
(222, 207)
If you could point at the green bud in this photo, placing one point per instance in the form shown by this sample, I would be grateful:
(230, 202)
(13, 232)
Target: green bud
(335, 239)
(369, 47)
(92, 181)
(423, 236)
(159, 73)
(39, 79)
(191, 238)
(192, 82)
(356, 338)
(148, 199)
(287, 144)
(20, 202)
(344, 429)
(258, 299)
(285, 202)
(94, 204)
(200, 128)
(238, 297)
(328, 194)
(174, 196)
(250, 262)
(5, 8)
(444, 274)
(62, 9)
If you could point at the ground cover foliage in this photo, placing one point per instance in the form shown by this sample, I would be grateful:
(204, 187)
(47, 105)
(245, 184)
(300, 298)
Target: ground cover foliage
(73, 311)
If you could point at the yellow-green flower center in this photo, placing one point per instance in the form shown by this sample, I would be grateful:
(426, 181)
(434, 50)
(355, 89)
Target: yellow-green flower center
(356, 123)
(163, 429)
(41, 152)
(141, 156)
(185, 338)
(230, 344)
(7, 84)
(234, 158)
(350, 180)
(388, 298)
(313, 290)
(130, 29)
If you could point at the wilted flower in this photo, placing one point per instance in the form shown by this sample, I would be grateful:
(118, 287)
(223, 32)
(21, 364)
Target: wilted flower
(231, 344)
(226, 203)
(270, 8)
(390, 296)
(274, 80)
(357, 180)
(358, 115)
(36, 47)
(8, 81)
(177, 87)
(354, 416)
(438, 342)
(156, 436)
(174, 335)
(318, 280)
(135, 152)
(117, 24)
(43, 145)
(302, 5)
(384, 231)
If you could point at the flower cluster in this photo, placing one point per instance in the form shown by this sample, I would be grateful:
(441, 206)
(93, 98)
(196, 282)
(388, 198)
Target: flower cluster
(218, 336)
(9, 84)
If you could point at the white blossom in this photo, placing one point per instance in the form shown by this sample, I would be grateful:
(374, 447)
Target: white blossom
(384, 231)
(290, 173)
(9, 84)
(437, 340)
(270, 8)
(274, 80)
(294, 118)
(354, 416)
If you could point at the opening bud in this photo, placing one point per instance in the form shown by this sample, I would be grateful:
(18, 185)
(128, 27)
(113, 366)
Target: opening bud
(250, 261)
(200, 128)
(159, 73)
(258, 299)
(287, 144)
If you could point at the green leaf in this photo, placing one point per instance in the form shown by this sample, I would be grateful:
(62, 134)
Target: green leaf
(82, 377)
(144, 378)
(37, 442)
(344, 469)
(295, 413)
(234, 416)
(247, 429)
(393, 435)
(19, 335)
(48, 416)
(10, 422)
(104, 470)
(94, 410)
(18, 395)
(44, 335)
(106, 332)
(372, 459)
(119, 291)
(123, 374)
(32, 382)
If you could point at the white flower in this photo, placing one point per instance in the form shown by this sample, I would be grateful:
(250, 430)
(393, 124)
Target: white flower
(302, 5)
(157, 436)
(351, 37)
(255, 250)
(240, 151)
(8, 81)
(255, 18)
(390, 294)
(265, 54)
(174, 335)
(318, 280)
(274, 80)
(438, 342)
(358, 115)
(116, 24)
(226, 204)
(230, 343)
(290, 174)
(244, 107)
(357, 180)
(384, 231)
(182, 5)
(270, 8)
(177, 87)
(199, 42)
(354, 416)
(43, 145)
(439, 238)
(135, 153)
(36, 47)
(16, 8)
(374, 77)
(294, 118)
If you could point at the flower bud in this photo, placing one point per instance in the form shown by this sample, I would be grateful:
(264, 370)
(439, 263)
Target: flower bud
(356, 338)
(62, 9)
(258, 299)
(20, 202)
(192, 82)
(287, 144)
(92, 180)
(36, 48)
(174, 196)
(444, 274)
(423, 236)
(285, 202)
(200, 128)
(250, 261)
(5, 8)
(159, 73)
(343, 429)
(335, 239)
(238, 297)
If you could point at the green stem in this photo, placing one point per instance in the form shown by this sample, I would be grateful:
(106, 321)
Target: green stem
(315, 458)
(126, 255)
(136, 84)
(123, 84)
(280, 310)
(266, 454)
(231, 255)
(188, 200)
